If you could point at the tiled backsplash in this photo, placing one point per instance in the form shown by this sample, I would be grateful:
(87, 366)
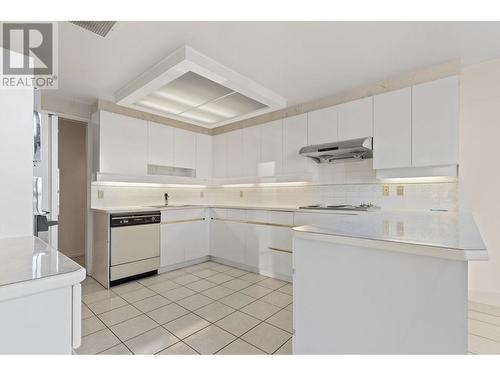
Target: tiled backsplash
(349, 182)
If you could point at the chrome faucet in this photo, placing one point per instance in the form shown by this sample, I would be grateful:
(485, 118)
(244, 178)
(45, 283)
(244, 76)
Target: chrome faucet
(166, 199)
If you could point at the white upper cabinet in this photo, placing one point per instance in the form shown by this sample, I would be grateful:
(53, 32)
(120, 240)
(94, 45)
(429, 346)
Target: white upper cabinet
(160, 144)
(203, 157)
(219, 156)
(271, 160)
(123, 144)
(251, 150)
(294, 138)
(184, 149)
(355, 119)
(435, 123)
(323, 126)
(392, 129)
(234, 154)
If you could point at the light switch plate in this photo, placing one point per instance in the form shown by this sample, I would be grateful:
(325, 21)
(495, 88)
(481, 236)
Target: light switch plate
(202, 194)
(400, 190)
(241, 194)
(100, 194)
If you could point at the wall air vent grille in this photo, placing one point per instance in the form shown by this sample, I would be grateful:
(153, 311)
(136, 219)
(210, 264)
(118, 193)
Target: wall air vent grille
(101, 28)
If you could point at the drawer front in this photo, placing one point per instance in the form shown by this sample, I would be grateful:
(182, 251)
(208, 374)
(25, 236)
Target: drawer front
(260, 216)
(218, 213)
(308, 218)
(179, 215)
(234, 214)
(281, 239)
(281, 217)
(135, 268)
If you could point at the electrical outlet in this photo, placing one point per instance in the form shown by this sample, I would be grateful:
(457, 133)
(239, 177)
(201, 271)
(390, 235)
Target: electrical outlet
(100, 194)
(400, 190)
(241, 193)
(202, 194)
(385, 190)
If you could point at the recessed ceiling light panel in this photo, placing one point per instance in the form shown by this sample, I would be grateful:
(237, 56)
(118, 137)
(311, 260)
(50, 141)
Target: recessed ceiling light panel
(190, 87)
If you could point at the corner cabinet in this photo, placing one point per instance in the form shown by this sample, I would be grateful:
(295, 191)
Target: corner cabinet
(122, 145)
(256, 240)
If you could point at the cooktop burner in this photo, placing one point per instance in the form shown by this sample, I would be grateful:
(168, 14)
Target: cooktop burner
(342, 207)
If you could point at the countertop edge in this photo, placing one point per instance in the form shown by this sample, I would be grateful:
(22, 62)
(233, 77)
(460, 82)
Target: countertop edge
(29, 287)
(403, 247)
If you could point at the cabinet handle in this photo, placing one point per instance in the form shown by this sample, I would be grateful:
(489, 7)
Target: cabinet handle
(280, 250)
(183, 221)
(254, 222)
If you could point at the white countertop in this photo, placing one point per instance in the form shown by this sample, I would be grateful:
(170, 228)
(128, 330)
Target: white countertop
(25, 261)
(441, 231)
(114, 210)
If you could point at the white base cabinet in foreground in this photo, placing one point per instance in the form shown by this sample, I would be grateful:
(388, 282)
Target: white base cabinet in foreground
(358, 300)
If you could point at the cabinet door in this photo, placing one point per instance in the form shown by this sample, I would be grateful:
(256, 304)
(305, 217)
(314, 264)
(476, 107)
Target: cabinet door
(234, 154)
(203, 157)
(123, 144)
(356, 119)
(184, 149)
(160, 144)
(294, 138)
(271, 149)
(219, 246)
(251, 150)
(257, 245)
(435, 123)
(392, 129)
(219, 155)
(277, 258)
(196, 237)
(322, 126)
(172, 244)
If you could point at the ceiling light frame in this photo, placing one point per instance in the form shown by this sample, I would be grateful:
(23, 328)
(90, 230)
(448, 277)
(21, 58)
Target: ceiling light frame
(184, 60)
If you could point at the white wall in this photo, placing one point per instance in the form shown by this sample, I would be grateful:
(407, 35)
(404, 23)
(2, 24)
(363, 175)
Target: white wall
(16, 167)
(480, 170)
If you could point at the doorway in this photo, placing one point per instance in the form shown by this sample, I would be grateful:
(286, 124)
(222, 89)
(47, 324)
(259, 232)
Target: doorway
(72, 163)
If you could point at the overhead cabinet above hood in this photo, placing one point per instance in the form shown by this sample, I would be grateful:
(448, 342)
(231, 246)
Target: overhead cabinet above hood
(360, 148)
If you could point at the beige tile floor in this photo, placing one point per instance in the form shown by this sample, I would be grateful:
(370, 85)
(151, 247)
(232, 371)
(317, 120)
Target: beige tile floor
(208, 308)
(211, 308)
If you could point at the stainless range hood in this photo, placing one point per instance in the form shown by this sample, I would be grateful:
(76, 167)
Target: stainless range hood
(360, 148)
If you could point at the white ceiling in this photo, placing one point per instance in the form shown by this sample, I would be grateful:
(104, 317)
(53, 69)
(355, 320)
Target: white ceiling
(300, 61)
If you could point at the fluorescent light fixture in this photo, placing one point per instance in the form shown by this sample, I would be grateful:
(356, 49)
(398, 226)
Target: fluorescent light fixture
(442, 171)
(145, 184)
(409, 180)
(268, 184)
(191, 87)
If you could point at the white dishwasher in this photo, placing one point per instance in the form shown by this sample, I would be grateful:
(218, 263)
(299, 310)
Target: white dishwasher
(134, 245)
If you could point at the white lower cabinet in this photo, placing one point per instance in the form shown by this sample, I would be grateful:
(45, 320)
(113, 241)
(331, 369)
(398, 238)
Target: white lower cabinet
(252, 238)
(276, 260)
(184, 236)
(172, 244)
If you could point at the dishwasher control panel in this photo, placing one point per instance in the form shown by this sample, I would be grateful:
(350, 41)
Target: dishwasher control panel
(135, 218)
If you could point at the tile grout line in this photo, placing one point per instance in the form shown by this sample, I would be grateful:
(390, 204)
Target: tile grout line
(193, 312)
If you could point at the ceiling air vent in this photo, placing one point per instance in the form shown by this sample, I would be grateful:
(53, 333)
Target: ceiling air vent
(100, 28)
(191, 87)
